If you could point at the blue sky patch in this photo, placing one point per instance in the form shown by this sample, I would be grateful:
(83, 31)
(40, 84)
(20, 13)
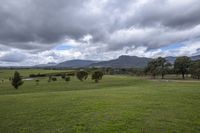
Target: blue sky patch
(172, 46)
(63, 47)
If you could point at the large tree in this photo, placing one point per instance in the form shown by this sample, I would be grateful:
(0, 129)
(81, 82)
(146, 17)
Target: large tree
(163, 66)
(16, 80)
(195, 69)
(158, 66)
(152, 68)
(181, 65)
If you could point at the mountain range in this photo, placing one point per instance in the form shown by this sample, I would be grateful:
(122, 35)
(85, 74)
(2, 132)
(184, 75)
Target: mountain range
(76, 63)
(123, 61)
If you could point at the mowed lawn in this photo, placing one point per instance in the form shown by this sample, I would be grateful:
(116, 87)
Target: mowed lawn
(117, 104)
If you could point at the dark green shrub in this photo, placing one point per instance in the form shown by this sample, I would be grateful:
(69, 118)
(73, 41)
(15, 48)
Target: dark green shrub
(63, 76)
(16, 80)
(97, 75)
(67, 78)
(54, 79)
(82, 75)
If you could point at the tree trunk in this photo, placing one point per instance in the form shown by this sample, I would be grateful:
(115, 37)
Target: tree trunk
(183, 75)
(162, 76)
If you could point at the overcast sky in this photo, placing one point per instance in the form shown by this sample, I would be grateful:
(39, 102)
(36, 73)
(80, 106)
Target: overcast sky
(41, 31)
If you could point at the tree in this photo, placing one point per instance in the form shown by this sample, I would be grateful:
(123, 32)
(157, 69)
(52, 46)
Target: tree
(163, 66)
(152, 68)
(195, 69)
(158, 66)
(16, 80)
(97, 75)
(182, 65)
(82, 75)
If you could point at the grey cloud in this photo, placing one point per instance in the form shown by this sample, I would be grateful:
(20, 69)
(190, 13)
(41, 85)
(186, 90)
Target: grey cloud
(172, 14)
(13, 57)
(45, 22)
(38, 25)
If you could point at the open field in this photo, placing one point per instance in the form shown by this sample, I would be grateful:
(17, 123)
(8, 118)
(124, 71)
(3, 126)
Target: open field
(122, 104)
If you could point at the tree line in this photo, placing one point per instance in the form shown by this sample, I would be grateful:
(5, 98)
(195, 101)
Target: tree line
(183, 65)
(82, 75)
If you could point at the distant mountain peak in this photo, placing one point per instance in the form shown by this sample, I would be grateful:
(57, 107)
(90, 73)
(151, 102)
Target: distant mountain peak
(124, 61)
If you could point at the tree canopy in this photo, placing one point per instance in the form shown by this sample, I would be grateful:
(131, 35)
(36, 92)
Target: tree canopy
(182, 65)
(195, 69)
(97, 75)
(158, 66)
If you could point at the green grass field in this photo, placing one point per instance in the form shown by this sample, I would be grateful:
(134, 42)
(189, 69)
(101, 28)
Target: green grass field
(117, 104)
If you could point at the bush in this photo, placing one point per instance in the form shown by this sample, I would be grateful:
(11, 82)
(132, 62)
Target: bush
(82, 75)
(54, 79)
(67, 78)
(63, 76)
(37, 75)
(97, 75)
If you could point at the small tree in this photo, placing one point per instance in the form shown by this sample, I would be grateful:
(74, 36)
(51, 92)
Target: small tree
(82, 75)
(37, 81)
(182, 65)
(97, 75)
(50, 78)
(16, 80)
(67, 78)
(63, 76)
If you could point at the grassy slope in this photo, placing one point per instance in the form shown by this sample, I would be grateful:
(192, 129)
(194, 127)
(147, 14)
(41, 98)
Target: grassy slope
(116, 104)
